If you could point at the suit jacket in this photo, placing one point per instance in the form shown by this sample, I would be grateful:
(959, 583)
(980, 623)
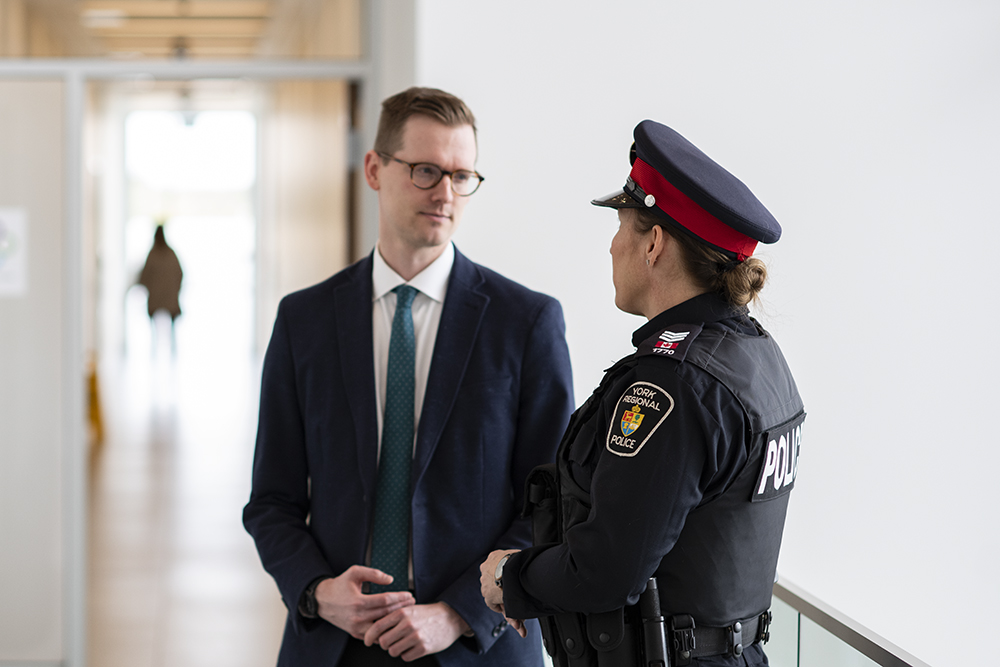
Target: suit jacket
(498, 398)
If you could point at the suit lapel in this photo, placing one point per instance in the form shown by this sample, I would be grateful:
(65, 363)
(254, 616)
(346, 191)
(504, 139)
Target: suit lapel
(353, 304)
(461, 316)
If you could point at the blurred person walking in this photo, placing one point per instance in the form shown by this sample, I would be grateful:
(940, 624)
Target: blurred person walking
(161, 276)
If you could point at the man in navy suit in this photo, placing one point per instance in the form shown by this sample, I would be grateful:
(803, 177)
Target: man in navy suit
(491, 391)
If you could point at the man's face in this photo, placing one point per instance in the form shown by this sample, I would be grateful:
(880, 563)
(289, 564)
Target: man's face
(409, 217)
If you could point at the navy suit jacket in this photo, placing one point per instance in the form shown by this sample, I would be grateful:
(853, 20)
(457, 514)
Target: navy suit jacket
(498, 398)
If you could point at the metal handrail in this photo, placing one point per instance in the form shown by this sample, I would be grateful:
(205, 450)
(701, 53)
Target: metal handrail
(849, 631)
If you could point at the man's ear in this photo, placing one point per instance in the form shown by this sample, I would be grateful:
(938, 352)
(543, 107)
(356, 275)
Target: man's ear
(373, 168)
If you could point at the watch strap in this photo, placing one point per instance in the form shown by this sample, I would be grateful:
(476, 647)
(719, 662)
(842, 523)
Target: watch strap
(308, 606)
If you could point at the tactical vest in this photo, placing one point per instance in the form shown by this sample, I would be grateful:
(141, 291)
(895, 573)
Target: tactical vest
(750, 514)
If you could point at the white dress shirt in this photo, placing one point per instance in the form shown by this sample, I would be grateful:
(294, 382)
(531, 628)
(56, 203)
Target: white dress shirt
(432, 285)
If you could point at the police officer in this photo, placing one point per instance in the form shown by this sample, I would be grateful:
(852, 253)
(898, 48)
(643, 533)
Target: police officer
(679, 466)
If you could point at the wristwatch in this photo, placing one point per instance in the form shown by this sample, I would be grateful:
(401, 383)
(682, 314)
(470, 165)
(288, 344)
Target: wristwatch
(308, 606)
(498, 575)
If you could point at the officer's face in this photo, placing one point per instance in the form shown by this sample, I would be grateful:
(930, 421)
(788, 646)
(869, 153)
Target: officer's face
(628, 264)
(408, 216)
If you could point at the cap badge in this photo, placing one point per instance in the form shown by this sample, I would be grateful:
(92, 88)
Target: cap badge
(649, 201)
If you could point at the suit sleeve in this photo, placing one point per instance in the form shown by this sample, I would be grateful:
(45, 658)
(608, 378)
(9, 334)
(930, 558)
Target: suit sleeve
(544, 405)
(279, 499)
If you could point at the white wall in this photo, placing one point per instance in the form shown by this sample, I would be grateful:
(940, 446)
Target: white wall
(871, 131)
(32, 404)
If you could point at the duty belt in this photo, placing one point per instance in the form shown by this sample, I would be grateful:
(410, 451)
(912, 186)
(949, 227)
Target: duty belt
(690, 642)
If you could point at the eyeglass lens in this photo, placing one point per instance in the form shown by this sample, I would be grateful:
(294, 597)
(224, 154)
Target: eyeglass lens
(426, 176)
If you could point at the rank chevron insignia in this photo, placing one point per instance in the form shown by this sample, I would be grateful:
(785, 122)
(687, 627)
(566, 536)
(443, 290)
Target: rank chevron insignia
(631, 420)
(669, 342)
(671, 337)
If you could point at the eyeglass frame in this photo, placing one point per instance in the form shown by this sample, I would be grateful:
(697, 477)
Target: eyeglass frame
(414, 165)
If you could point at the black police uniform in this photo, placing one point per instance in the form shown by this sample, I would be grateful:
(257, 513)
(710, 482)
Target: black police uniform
(678, 466)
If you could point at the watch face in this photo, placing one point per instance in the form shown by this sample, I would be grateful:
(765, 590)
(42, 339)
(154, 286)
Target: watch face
(498, 575)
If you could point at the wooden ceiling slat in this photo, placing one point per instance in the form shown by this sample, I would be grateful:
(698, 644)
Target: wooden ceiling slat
(182, 26)
(141, 43)
(223, 54)
(177, 8)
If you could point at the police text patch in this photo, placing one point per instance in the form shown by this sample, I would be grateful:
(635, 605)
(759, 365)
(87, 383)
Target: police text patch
(639, 412)
(780, 462)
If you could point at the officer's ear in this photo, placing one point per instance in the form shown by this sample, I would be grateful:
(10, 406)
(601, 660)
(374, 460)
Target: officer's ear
(656, 244)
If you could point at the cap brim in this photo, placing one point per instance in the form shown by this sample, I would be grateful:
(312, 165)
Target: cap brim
(618, 199)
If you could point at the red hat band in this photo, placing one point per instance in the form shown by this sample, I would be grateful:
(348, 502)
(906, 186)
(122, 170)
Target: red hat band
(688, 214)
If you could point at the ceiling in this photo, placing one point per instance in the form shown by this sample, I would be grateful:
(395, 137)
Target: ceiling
(217, 29)
(177, 28)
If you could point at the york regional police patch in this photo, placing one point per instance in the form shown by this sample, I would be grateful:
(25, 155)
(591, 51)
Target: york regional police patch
(639, 412)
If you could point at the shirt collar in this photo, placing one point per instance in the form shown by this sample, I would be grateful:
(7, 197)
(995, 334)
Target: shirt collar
(707, 307)
(432, 281)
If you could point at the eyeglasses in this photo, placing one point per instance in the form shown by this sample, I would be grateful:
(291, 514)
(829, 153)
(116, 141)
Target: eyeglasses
(426, 175)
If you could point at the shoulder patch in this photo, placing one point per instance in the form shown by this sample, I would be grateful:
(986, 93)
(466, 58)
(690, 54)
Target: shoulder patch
(639, 412)
(780, 461)
(672, 342)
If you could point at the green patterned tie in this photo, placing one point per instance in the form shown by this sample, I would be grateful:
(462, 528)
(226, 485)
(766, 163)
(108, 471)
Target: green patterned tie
(391, 535)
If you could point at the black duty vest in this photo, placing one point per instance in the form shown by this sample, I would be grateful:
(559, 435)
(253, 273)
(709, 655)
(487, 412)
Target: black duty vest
(722, 567)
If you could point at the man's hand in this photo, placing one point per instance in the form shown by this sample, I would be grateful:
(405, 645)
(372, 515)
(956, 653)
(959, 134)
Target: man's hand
(418, 630)
(342, 603)
(493, 594)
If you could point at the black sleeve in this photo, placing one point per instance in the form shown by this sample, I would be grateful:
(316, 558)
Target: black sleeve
(643, 486)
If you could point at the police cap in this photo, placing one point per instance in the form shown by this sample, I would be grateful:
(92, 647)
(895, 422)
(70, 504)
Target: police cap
(674, 179)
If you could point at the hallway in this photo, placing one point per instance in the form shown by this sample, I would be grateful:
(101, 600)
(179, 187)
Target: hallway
(174, 579)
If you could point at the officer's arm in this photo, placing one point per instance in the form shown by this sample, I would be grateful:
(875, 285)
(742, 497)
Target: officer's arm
(642, 489)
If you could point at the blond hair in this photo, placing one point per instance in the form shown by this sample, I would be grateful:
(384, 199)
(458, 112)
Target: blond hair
(431, 102)
(739, 283)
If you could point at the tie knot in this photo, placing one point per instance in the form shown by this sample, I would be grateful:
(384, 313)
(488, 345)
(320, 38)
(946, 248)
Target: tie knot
(405, 296)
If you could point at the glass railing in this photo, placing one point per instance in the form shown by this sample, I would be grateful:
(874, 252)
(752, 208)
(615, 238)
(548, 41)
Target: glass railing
(805, 632)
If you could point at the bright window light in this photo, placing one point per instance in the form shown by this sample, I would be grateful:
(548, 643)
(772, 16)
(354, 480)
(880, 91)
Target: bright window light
(215, 152)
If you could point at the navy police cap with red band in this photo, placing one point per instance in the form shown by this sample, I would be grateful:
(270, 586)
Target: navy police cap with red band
(674, 179)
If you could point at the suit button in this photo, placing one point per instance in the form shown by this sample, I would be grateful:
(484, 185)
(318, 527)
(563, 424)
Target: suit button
(570, 644)
(604, 638)
(498, 630)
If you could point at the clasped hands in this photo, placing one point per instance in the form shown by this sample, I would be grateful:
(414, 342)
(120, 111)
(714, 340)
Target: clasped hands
(493, 594)
(392, 620)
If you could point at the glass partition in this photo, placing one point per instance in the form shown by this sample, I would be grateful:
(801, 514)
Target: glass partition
(797, 641)
(805, 632)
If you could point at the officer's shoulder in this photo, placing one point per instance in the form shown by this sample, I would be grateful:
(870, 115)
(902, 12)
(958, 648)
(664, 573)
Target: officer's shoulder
(677, 343)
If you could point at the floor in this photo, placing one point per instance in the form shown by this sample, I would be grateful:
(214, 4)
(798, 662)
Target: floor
(174, 579)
